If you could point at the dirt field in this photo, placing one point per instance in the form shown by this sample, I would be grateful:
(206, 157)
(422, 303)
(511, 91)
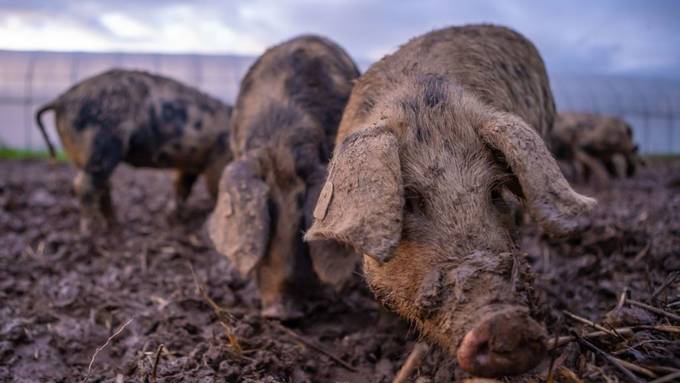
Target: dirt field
(63, 295)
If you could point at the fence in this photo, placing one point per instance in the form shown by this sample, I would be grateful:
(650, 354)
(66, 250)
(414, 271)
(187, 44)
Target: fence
(651, 106)
(30, 79)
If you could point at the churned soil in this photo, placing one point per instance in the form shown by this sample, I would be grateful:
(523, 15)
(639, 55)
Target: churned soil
(152, 301)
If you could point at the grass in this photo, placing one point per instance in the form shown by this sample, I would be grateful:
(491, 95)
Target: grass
(25, 154)
(672, 156)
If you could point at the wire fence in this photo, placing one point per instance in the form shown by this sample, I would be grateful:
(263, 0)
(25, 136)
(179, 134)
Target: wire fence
(30, 79)
(650, 106)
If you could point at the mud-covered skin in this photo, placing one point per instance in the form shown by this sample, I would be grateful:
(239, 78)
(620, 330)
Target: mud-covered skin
(282, 133)
(145, 120)
(431, 137)
(594, 141)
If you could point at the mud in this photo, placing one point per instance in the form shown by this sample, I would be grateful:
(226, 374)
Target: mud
(63, 295)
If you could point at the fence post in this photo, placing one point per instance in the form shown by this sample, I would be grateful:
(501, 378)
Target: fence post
(28, 101)
(644, 112)
(198, 70)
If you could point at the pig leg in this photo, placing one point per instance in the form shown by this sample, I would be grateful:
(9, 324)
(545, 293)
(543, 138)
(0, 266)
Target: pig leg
(96, 207)
(92, 182)
(631, 165)
(183, 182)
(591, 165)
(276, 280)
(285, 275)
(272, 276)
(212, 177)
(610, 166)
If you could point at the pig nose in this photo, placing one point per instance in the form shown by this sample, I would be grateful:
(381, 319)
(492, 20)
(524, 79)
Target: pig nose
(506, 341)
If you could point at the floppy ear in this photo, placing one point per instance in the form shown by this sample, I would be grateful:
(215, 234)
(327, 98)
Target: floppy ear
(550, 199)
(361, 202)
(333, 261)
(239, 225)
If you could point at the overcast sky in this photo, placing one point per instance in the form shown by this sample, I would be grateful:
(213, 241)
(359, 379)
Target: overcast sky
(609, 36)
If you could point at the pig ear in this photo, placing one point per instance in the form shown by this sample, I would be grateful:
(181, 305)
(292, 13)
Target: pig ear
(333, 261)
(549, 197)
(239, 225)
(361, 202)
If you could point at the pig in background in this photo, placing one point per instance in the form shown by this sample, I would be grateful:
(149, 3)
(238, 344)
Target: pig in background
(282, 133)
(594, 143)
(144, 120)
(430, 139)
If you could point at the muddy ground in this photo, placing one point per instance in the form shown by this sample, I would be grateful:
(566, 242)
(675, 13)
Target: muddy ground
(63, 295)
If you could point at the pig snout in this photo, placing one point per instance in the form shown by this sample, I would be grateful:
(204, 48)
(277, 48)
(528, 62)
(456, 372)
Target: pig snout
(475, 306)
(505, 342)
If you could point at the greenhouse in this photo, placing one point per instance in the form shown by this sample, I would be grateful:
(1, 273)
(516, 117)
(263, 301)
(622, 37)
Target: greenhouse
(30, 79)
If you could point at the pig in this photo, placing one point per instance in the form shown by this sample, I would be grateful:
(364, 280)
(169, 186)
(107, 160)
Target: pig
(430, 138)
(144, 120)
(282, 132)
(594, 142)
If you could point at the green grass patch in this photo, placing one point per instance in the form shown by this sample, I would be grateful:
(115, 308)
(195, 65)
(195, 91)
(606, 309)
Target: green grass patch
(655, 157)
(24, 154)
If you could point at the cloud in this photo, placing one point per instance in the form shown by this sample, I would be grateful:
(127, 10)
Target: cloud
(609, 36)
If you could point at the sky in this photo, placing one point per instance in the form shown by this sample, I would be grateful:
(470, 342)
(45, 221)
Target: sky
(621, 37)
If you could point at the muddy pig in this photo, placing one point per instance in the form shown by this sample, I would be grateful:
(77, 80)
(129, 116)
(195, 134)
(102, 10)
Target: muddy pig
(594, 142)
(429, 140)
(285, 121)
(144, 120)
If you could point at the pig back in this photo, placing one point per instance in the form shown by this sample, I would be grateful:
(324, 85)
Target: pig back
(499, 66)
(307, 79)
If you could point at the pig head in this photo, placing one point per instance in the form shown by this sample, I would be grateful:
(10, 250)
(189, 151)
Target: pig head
(417, 191)
(266, 201)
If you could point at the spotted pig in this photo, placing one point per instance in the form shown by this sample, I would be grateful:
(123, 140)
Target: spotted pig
(594, 142)
(282, 133)
(431, 138)
(144, 120)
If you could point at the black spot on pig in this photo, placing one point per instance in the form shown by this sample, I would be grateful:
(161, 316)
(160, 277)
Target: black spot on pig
(222, 143)
(274, 210)
(206, 104)
(141, 147)
(434, 91)
(410, 107)
(158, 138)
(277, 117)
(104, 111)
(504, 68)
(106, 153)
(300, 200)
(421, 135)
(88, 114)
(163, 158)
(139, 87)
(366, 105)
(313, 88)
(174, 113)
(521, 72)
(168, 125)
(198, 125)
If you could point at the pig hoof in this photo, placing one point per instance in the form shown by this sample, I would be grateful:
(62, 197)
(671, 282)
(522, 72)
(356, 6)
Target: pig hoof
(505, 342)
(281, 311)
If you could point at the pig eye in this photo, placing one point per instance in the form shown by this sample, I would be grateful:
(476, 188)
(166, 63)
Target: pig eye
(414, 201)
(499, 202)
